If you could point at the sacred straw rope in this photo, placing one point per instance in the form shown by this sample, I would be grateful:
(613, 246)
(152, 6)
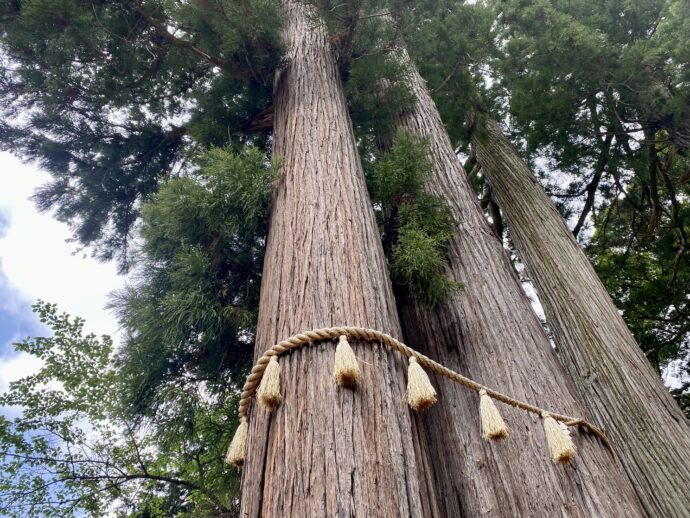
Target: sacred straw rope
(332, 333)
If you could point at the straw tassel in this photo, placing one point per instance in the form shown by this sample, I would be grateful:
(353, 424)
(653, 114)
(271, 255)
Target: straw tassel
(238, 445)
(561, 445)
(269, 389)
(346, 368)
(420, 393)
(493, 425)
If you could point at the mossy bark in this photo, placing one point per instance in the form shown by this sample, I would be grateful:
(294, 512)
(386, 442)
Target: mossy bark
(490, 333)
(615, 381)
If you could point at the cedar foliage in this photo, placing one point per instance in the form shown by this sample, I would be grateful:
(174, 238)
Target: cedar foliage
(190, 309)
(416, 227)
(111, 96)
(153, 119)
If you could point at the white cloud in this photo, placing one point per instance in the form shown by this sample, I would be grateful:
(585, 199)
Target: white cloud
(36, 262)
(18, 366)
(39, 262)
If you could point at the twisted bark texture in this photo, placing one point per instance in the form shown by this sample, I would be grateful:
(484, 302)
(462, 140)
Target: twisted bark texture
(614, 379)
(490, 333)
(328, 451)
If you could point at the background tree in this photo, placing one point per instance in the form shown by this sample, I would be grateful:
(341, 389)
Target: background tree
(74, 448)
(111, 96)
(577, 85)
(617, 131)
(591, 338)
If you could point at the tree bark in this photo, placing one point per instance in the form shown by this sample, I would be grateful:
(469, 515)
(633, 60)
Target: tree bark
(328, 451)
(490, 333)
(613, 377)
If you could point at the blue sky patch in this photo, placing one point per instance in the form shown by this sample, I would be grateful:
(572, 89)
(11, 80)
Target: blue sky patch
(17, 320)
(5, 221)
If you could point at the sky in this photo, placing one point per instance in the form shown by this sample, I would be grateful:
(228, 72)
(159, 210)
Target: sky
(37, 262)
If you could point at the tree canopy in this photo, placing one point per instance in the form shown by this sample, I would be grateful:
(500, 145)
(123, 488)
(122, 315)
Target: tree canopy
(154, 119)
(111, 97)
(596, 96)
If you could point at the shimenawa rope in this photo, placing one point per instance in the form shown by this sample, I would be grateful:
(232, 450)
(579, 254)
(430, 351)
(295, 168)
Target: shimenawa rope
(420, 395)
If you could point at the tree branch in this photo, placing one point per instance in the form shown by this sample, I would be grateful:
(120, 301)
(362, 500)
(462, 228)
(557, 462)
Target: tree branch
(653, 167)
(162, 30)
(594, 184)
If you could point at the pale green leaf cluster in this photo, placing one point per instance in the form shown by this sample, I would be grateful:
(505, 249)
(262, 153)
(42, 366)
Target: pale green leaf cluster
(416, 226)
(72, 450)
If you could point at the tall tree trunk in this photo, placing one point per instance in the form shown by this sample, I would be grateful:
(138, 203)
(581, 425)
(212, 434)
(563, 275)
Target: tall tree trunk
(327, 451)
(614, 379)
(490, 333)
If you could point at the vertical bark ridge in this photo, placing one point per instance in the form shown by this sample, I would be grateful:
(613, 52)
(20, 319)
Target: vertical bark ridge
(614, 379)
(490, 333)
(327, 451)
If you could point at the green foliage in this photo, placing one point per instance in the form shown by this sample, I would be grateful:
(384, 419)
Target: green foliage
(573, 72)
(74, 452)
(400, 172)
(425, 228)
(374, 113)
(453, 44)
(416, 227)
(111, 96)
(648, 277)
(191, 308)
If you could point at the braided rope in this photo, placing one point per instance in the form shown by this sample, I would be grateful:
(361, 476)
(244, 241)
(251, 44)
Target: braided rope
(332, 333)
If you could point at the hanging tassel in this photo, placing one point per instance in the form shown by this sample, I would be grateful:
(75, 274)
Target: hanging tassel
(238, 445)
(269, 389)
(493, 425)
(420, 393)
(561, 445)
(346, 368)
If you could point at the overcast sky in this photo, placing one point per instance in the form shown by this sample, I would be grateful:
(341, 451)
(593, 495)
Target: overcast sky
(36, 262)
